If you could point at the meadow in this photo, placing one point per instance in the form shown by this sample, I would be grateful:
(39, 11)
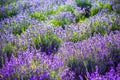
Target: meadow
(59, 39)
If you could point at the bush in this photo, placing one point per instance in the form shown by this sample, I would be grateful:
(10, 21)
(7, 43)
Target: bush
(81, 66)
(48, 42)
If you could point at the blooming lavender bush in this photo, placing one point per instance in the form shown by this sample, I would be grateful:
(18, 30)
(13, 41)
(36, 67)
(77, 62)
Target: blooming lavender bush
(59, 40)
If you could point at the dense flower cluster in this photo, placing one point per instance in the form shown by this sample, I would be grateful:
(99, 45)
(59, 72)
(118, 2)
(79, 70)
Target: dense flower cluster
(83, 34)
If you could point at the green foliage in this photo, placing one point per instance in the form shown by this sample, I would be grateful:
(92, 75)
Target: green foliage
(67, 8)
(21, 29)
(48, 42)
(104, 6)
(43, 15)
(94, 11)
(8, 12)
(38, 15)
(116, 26)
(98, 27)
(83, 3)
(59, 9)
(11, 12)
(60, 22)
(78, 37)
(6, 2)
(8, 49)
(79, 17)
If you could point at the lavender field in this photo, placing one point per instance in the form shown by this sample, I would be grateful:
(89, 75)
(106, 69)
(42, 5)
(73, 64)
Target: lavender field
(59, 39)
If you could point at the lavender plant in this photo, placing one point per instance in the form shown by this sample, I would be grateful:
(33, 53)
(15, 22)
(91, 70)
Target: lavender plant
(48, 42)
(81, 32)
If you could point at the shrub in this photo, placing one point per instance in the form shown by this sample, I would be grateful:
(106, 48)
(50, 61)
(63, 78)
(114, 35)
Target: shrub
(48, 42)
(81, 66)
